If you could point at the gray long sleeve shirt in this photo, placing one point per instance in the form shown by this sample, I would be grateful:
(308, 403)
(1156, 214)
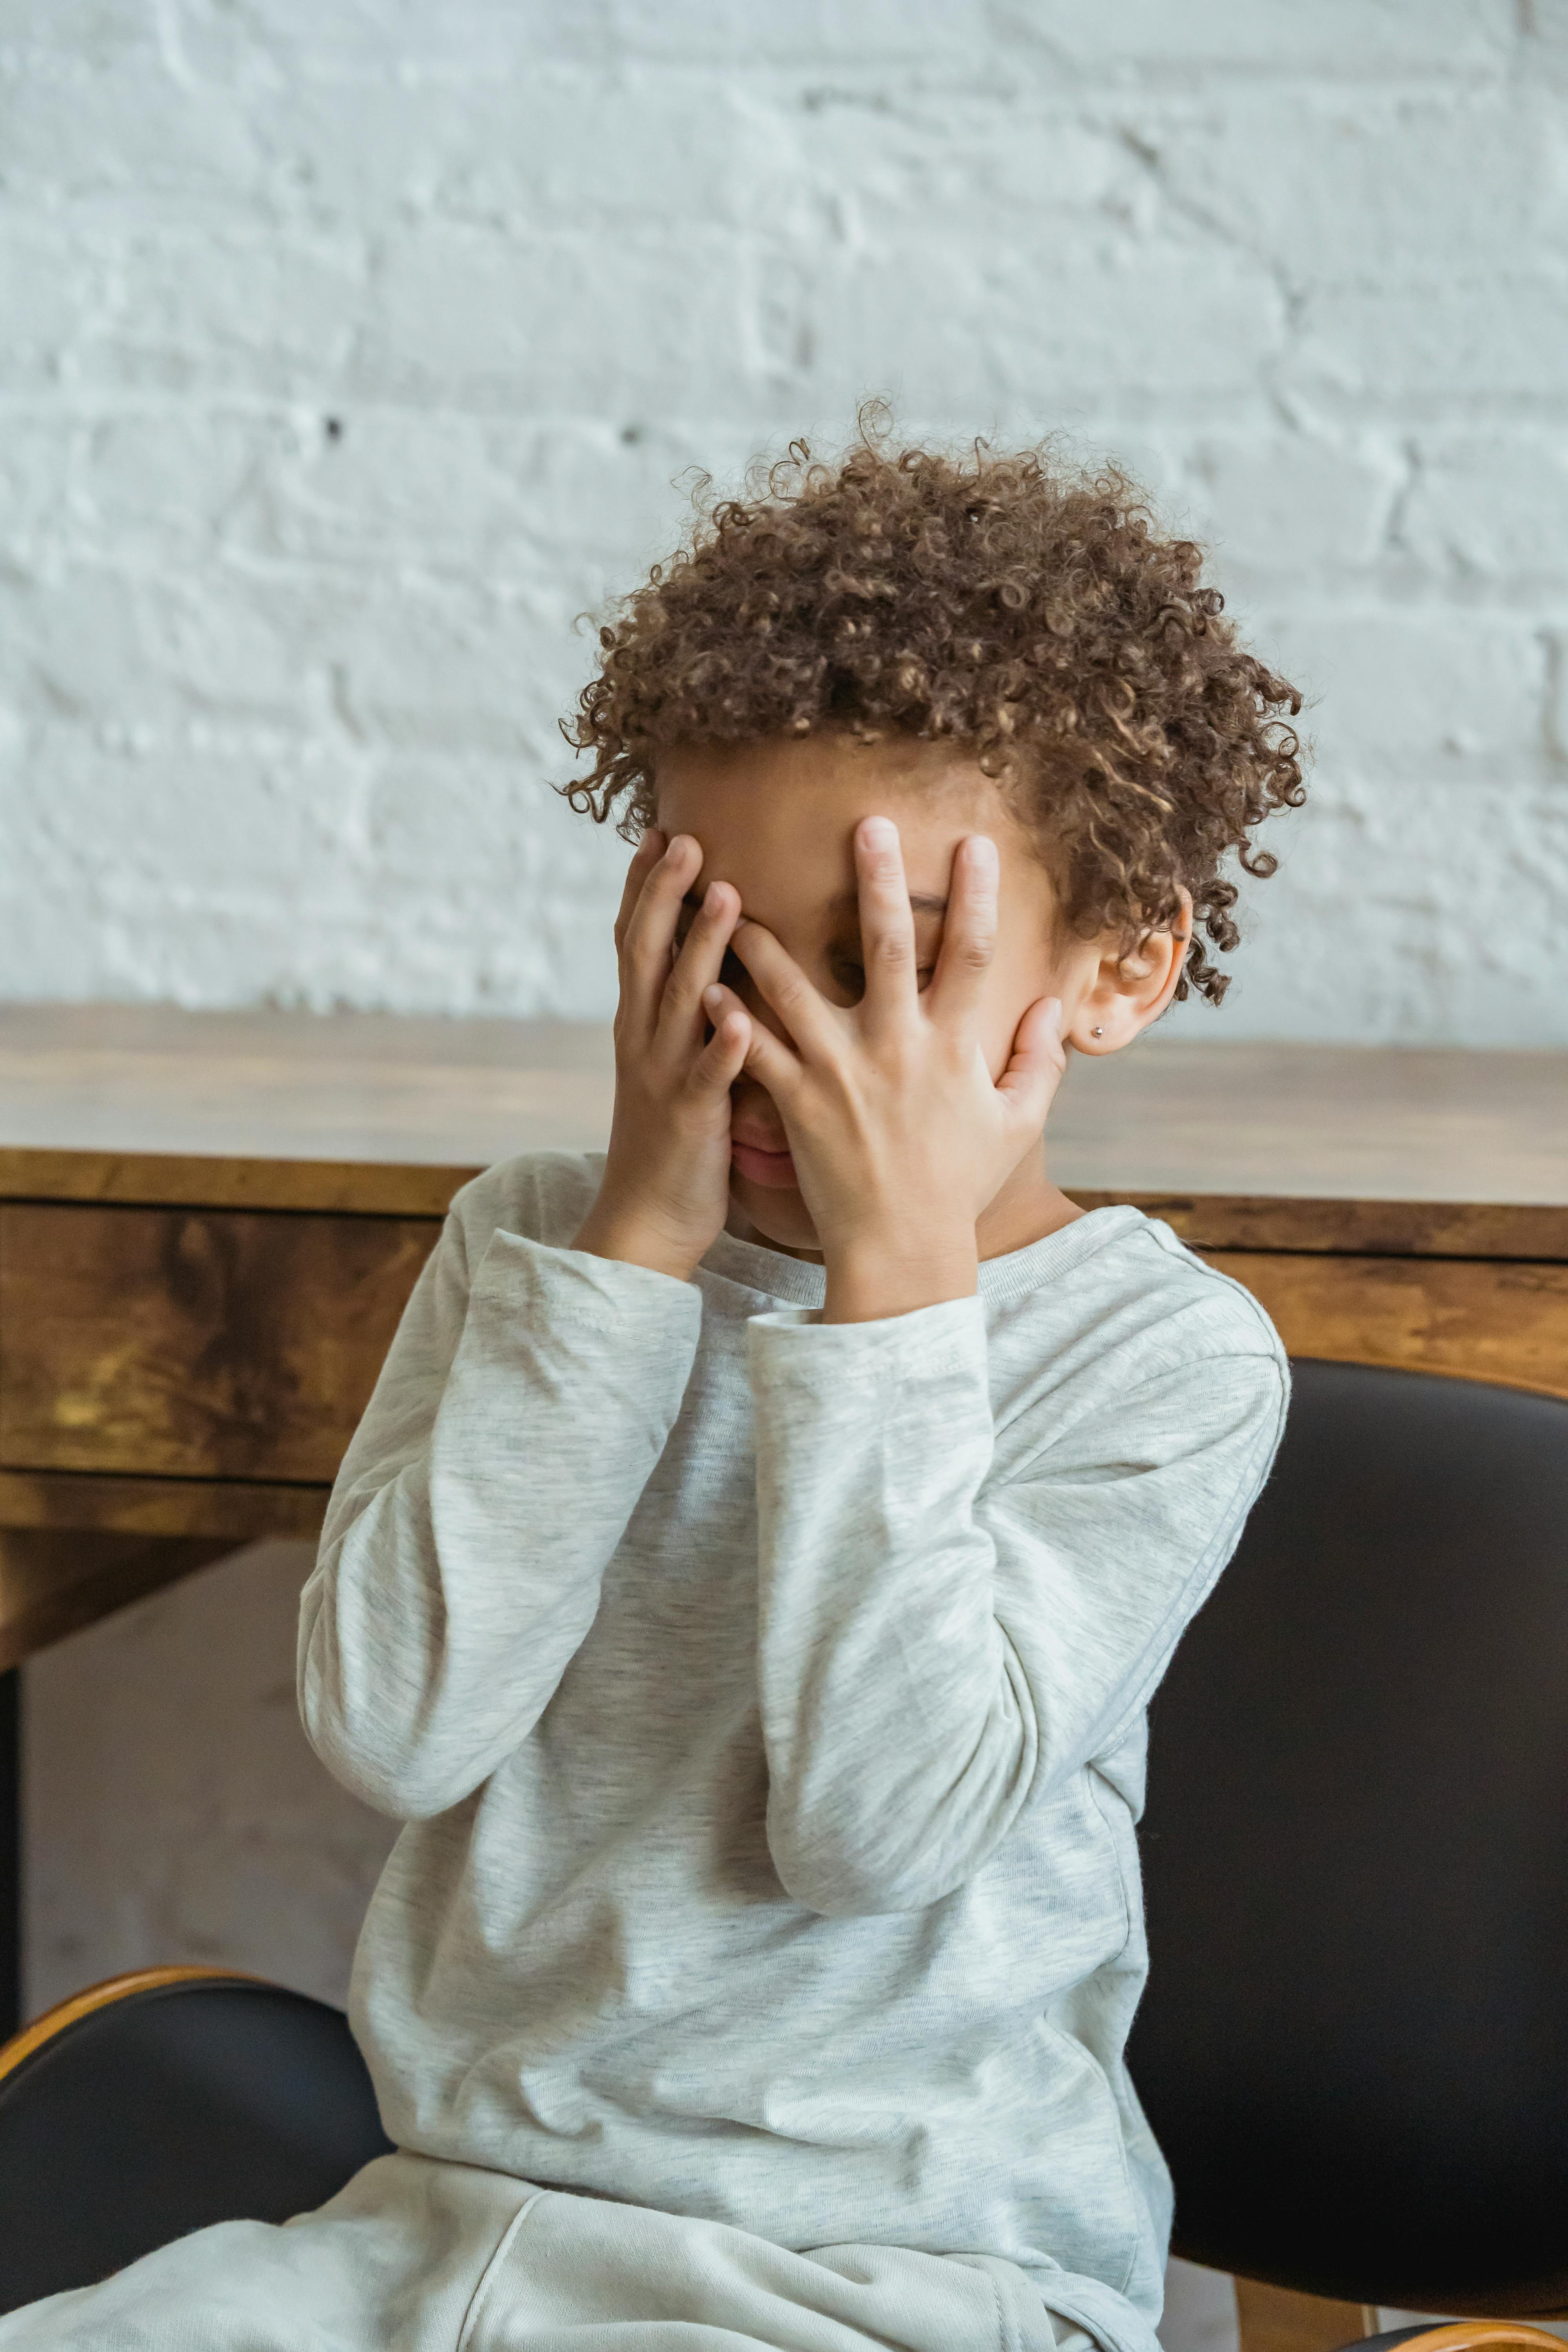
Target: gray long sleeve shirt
(765, 1703)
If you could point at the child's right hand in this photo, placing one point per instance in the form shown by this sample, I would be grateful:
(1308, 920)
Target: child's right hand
(666, 1187)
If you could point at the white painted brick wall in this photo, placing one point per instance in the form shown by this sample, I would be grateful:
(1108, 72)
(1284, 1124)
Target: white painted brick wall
(348, 348)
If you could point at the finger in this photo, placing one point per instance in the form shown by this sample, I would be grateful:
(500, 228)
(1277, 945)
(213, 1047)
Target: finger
(968, 933)
(645, 857)
(698, 965)
(1035, 1067)
(767, 1058)
(650, 930)
(723, 1057)
(784, 988)
(887, 922)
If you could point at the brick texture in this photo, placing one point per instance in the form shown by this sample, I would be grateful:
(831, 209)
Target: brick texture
(352, 349)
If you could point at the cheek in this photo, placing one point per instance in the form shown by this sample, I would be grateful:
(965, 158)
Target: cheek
(997, 1032)
(1015, 984)
(1021, 975)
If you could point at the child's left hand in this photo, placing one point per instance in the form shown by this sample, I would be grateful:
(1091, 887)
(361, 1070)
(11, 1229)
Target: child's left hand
(899, 1135)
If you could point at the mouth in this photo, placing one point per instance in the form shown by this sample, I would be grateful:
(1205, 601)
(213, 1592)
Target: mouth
(773, 1169)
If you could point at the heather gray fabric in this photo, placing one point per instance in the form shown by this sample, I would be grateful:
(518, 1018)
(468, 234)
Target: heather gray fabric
(419, 2256)
(765, 1701)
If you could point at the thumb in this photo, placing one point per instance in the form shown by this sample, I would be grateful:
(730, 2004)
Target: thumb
(1037, 1064)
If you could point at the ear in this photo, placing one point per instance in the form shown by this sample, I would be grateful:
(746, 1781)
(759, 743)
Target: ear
(1126, 992)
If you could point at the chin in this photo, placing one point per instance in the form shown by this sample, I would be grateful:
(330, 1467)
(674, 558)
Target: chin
(774, 1215)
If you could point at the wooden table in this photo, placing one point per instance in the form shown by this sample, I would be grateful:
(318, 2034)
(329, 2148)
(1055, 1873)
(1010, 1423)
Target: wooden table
(209, 1225)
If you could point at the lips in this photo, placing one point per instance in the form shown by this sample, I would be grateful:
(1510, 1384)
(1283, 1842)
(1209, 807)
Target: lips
(773, 1169)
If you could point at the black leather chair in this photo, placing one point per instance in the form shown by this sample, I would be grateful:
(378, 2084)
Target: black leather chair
(1354, 2047)
(1354, 2044)
(162, 2101)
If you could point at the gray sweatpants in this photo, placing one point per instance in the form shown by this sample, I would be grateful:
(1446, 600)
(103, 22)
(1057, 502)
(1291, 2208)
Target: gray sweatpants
(417, 2255)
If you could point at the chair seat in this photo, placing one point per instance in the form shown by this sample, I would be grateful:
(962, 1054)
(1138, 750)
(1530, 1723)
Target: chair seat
(167, 2106)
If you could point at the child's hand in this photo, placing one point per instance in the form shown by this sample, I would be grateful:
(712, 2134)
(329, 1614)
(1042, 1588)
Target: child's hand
(899, 1135)
(666, 1186)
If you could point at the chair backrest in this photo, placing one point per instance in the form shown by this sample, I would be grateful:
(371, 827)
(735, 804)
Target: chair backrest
(160, 2104)
(1354, 2045)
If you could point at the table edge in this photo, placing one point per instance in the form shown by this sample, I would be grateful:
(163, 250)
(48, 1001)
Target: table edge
(1343, 1226)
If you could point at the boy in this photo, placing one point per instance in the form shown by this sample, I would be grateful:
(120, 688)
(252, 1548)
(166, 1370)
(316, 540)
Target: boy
(749, 1577)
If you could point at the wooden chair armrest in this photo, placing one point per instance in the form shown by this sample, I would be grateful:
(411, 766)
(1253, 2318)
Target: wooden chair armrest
(1283, 2319)
(1475, 2336)
(100, 1996)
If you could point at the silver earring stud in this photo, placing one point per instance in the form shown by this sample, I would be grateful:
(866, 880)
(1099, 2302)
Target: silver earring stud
(1097, 1033)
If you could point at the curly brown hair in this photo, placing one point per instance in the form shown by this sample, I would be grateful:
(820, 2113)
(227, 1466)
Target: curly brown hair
(1030, 614)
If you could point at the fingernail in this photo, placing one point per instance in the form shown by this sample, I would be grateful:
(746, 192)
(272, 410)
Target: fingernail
(880, 832)
(710, 899)
(713, 996)
(982, 849)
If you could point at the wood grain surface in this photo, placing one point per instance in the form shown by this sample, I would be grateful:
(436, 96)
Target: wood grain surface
(1395, 1228)
(238, 1510)
(1180, 1113)
(386, 1189)
(1479, 1319)
(1278, 2319)
(361, 1188)
(53, 1581)
(209, 1225)
(190, 1344)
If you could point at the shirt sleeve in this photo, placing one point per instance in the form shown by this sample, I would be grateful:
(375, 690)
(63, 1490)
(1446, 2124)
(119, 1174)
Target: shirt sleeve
(937, 1650)
(514, 1426)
